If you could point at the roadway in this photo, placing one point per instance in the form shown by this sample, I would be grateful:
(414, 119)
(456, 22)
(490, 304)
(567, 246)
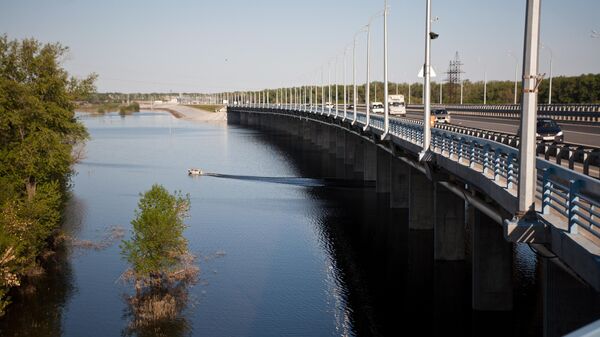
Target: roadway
(582, 134)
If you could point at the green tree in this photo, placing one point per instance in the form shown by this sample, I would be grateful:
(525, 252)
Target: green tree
(157, 249)
(38, 131)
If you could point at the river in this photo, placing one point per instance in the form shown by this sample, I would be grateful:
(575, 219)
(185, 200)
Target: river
(282, 252)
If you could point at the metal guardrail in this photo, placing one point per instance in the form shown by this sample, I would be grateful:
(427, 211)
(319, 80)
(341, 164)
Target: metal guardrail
(560, 112)
(570, 194)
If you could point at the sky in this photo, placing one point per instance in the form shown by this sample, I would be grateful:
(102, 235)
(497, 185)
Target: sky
(226, 45)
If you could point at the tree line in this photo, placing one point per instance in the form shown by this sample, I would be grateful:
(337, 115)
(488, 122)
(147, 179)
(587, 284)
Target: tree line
(39, 139)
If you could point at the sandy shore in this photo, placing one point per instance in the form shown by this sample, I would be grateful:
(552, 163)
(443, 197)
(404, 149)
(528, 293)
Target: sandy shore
(189, 113)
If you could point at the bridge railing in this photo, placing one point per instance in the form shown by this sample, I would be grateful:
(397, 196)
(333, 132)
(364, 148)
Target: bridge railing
(572, 195)
(560, 112)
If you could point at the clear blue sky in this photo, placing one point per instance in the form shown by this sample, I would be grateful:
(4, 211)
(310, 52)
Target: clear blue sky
(204, 46)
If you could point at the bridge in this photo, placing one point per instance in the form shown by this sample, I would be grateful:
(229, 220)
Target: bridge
(473, 183)
(464, 168)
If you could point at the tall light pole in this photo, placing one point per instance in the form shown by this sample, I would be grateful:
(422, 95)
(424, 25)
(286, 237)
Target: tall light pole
(549, 84)
(345, 85)
(409, 84)
(368, 84)
(322, 92)
(354, 90)
(484, 87)
(516, 73)
(426, 83)
(336, 86)
(329, 87)
(527, 154)
(386, 108)
(441, 86)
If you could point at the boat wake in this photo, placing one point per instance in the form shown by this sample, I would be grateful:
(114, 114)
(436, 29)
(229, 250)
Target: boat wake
(298, 181)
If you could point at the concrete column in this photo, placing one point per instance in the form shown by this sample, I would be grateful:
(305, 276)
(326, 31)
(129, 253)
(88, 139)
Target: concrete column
(448, 228)
(399, 197)
(420, 201)
(492, 265)
(359, 159)
(384, 174)
(340, 143)
(370, 161)
(568, 302)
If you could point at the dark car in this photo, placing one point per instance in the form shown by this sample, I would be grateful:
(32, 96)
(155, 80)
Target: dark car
(350, 106)
(548, 131)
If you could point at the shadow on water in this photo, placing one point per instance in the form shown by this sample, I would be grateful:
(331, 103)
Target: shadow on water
(38, 306)
(298, 181)
(158, 312)
(391, 284)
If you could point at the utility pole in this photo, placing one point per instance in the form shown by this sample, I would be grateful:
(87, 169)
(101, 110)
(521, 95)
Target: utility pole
(386, 108)
(527, 155)
(426, 83)
(345, 85)
(368, 84)
(549, 84)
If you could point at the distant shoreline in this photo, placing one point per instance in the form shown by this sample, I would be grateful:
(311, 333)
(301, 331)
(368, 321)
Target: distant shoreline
(188, 112)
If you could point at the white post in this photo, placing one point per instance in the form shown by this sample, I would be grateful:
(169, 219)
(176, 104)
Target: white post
(550, 83)
(426, 84)
(409, 84)
(336, 86)
(527, 154)
(329, 87)
(516, 74)
(386, 108)
(484, 87)
(345, 85)
(354, 90)
(368, 84)
(322, 93)
(461, 91)
(441, 86)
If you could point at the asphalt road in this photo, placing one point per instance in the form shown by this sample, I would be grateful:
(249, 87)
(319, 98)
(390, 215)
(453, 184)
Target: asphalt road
(574, 133)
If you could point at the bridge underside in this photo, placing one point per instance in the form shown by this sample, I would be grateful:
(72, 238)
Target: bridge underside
(466, 213)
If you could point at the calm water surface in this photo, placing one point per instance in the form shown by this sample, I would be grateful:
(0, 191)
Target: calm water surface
(278, 257)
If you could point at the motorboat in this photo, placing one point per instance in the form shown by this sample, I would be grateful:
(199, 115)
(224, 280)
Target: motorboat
(195, 172)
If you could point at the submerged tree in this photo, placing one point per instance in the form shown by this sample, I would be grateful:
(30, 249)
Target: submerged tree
(161, 266)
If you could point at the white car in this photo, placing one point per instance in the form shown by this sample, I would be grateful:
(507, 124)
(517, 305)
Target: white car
(329, 105)
(377, 107)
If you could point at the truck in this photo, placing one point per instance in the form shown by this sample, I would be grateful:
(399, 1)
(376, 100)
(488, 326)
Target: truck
(397, 105)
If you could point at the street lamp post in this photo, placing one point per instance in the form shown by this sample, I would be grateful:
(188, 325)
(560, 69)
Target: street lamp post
(336, 86)
(329, 87)
(345, 85)
(426, 84)
(550, 83)
(322, 93)
(527, 153)
(368, 84)
(354, 90)
(516, 73)
(386, 108)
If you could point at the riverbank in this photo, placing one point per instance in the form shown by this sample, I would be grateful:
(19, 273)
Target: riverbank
(189, 113)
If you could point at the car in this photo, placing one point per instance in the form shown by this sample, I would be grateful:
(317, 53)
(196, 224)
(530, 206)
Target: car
(350, 106)
(440, 115)
(377, 107)
(329, 105)
(548, 130)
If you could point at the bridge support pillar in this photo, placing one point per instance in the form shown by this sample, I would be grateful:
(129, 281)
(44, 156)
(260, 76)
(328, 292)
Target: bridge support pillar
(399, 197)
(384, 174)
(340, 143)
(448, 227)
(568, 302)
(420, 201)
(243, 118)
(358, 164)
(492, 264)
(370, 161)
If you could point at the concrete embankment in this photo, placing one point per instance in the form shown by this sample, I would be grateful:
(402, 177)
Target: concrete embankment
(189, 113)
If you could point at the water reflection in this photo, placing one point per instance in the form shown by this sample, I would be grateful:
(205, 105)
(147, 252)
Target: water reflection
(158, 311)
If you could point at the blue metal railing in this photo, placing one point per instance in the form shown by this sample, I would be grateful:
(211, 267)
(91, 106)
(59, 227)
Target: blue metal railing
(571, 195)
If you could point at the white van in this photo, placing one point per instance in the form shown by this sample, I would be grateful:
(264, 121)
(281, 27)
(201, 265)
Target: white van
(397, 105)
